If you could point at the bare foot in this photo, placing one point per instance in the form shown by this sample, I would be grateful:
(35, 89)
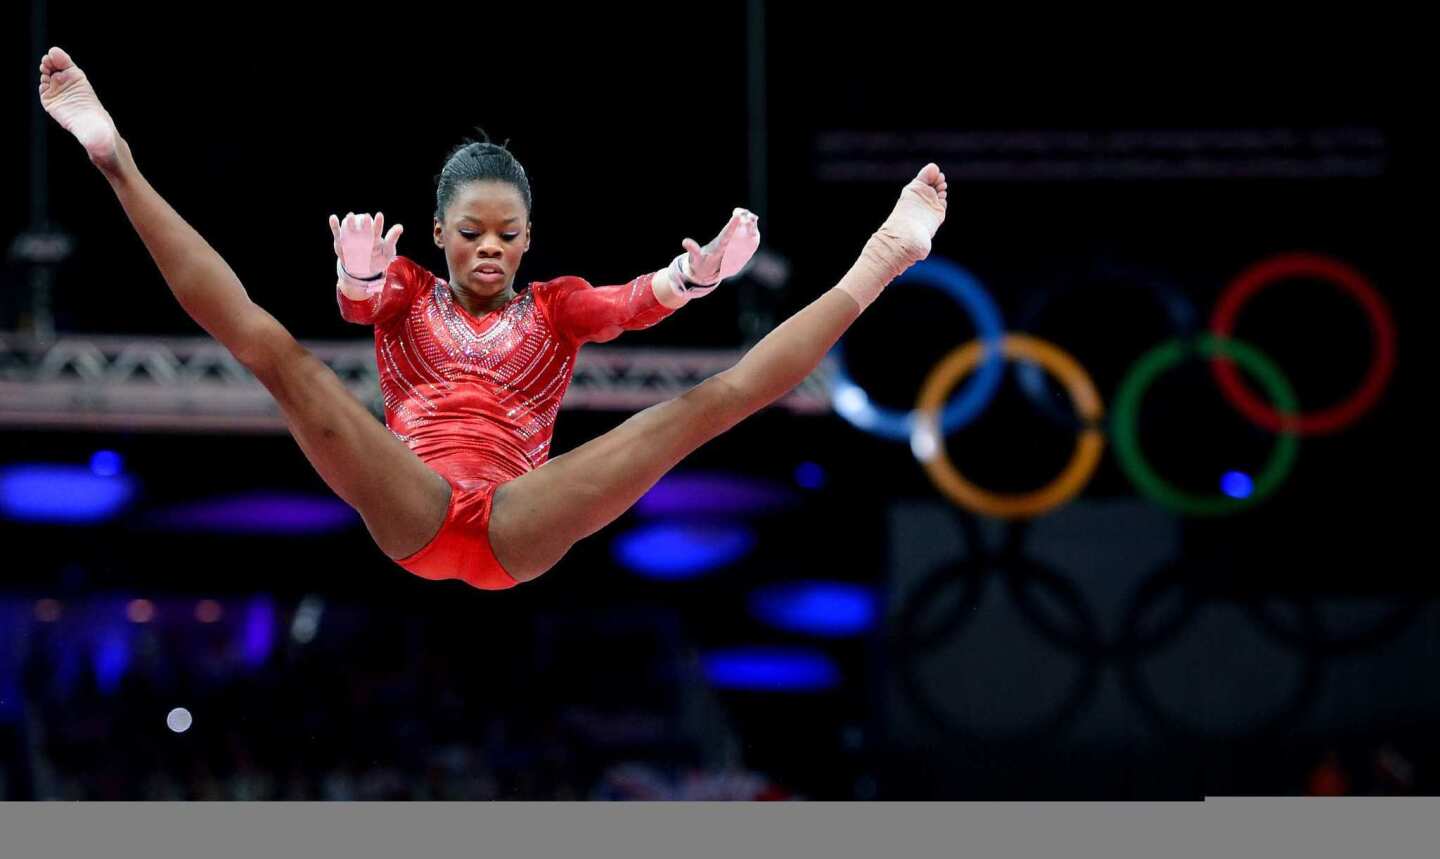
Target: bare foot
(67, 95)
(904, 238)
(919, 212)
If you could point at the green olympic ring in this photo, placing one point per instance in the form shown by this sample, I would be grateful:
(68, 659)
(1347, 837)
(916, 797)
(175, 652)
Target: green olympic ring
(1124, 432)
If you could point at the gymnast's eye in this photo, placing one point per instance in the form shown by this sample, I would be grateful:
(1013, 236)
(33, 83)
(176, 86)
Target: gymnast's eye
(510, 237)
(468, 234)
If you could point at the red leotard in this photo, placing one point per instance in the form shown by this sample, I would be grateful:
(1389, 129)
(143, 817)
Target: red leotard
(476, 397)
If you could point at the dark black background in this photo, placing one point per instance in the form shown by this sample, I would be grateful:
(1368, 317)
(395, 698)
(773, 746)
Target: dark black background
(258, 121)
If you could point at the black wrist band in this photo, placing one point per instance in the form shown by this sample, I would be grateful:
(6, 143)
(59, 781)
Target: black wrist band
(376, 276)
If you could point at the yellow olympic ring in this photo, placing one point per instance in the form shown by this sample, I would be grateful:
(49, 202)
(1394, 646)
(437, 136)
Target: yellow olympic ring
(929, 445)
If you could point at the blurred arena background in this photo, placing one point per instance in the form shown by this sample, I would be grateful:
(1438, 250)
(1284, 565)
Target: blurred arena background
(1226, 603)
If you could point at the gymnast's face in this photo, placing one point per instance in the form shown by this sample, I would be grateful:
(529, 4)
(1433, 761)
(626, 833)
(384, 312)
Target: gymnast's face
(485, 233)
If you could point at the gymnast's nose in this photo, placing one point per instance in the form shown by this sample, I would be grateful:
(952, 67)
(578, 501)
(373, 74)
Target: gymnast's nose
(489, 248)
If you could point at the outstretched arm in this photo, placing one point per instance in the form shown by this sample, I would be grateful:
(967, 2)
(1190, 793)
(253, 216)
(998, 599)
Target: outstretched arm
(601, 313)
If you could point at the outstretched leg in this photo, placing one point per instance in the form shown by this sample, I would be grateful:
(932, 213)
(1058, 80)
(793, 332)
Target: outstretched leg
(401, 500)
(537, 517)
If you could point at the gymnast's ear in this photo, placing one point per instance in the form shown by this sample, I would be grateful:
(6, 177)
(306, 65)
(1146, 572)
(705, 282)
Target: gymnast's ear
(439, 234)
(528, 225)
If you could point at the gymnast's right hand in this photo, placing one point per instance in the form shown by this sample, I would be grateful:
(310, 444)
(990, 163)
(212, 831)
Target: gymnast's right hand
(699, 270)
(362, 252)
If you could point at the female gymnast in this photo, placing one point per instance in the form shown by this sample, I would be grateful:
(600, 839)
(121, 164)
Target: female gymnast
(460, 484)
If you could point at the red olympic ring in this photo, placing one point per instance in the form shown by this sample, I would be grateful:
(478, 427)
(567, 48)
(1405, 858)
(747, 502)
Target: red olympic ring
(1350, 281)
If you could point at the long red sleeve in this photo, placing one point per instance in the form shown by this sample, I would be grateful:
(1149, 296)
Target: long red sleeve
(404, 279)
(595, 314)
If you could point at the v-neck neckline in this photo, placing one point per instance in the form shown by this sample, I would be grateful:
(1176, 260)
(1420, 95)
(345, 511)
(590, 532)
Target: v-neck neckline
(478, 323)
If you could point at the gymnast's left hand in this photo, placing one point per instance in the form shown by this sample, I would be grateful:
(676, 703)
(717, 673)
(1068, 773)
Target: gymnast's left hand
(723, 257)
(362, 248)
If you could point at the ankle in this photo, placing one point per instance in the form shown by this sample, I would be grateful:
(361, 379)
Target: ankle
(871, 272)
(117, 165)
(889, 252)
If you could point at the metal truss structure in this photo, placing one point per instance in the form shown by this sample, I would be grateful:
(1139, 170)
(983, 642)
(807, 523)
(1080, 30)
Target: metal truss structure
(193, 384)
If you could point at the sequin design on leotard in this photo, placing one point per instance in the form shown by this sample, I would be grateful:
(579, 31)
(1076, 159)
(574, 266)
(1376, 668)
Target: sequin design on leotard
(477, 397)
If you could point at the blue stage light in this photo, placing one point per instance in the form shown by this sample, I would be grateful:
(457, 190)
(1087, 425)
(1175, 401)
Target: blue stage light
(770, 669)
(809, 475)
(714, 494)
(106, 463)
(832, 609)
(260, 513)
(70, 494)
(1237, 484)
(682, 550)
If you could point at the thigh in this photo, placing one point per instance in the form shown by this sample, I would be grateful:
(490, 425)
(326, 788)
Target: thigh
(537, 517)
(402, 500)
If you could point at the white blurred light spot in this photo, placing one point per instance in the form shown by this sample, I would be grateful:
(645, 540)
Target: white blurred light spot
(179, 720)
(925, 437)
(852, 403)
(769, 268)
(306, 624)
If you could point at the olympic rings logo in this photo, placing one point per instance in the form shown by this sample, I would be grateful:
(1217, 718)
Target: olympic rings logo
(979, 364)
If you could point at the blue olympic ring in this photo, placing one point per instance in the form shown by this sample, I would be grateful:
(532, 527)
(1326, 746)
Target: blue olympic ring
(852, 403)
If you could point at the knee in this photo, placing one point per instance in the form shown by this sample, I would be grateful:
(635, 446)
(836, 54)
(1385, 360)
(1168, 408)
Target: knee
(722, 388)
(276, 372)
(264, 347)
(732, 390)
(280, 366)
(712, 406)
